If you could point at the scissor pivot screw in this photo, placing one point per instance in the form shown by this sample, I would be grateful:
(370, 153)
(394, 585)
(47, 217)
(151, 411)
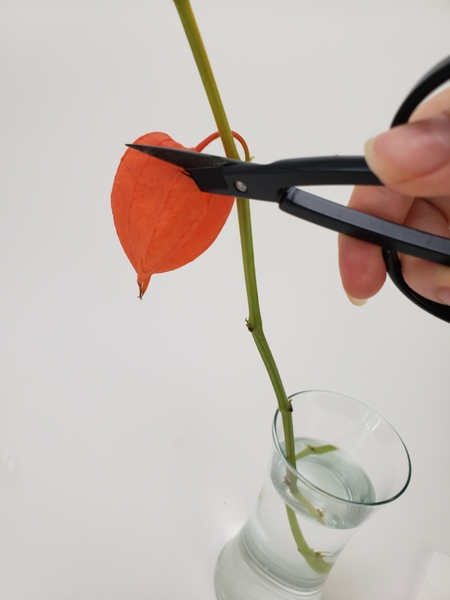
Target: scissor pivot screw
(240, 186)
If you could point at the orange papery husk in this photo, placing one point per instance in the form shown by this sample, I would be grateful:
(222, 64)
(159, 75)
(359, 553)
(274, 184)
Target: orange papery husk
(161, 217)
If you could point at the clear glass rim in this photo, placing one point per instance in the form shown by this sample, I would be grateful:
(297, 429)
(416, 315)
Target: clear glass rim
(320, 490)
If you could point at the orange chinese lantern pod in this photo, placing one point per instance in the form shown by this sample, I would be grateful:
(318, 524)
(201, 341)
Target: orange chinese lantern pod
(162, 219)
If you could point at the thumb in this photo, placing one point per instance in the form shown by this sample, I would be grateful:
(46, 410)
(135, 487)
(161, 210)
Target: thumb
(414, 159)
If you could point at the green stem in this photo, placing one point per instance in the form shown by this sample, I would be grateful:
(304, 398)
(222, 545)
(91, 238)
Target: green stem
(315, 450)
(254, 321)
(194, 38)
(316, 560)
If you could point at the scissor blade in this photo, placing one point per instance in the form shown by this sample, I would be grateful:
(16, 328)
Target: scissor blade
(187, 159)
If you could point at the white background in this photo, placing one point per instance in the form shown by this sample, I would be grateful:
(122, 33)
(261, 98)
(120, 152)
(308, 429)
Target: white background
(135, 435)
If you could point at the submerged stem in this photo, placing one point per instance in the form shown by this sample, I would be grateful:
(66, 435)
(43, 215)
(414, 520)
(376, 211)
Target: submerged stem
(316, 560)
(315, 450)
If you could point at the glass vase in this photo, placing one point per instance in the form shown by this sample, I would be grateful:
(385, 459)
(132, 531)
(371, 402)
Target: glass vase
(349, 463)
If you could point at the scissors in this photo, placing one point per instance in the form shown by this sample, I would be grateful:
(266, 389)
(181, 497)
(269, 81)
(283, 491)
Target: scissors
(275, 182)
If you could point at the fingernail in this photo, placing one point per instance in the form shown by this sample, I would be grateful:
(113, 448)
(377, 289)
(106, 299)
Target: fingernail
(369, 150)
(410, 150)
(356, 301)
(444, 295)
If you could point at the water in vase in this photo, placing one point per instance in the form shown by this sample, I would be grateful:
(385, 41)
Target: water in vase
(266, 547)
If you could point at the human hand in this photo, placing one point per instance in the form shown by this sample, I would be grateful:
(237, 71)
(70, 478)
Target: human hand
(413, 162)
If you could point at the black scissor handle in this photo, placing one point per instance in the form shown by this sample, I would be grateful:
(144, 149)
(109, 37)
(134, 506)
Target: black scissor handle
(431, 80)
(390, 236)
(435, 77)
(394, 268)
